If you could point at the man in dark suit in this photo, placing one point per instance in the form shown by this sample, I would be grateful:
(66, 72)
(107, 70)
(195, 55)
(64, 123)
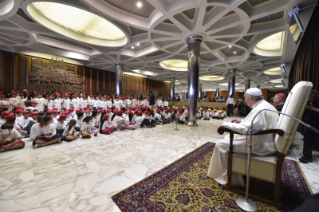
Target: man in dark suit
(152, 100)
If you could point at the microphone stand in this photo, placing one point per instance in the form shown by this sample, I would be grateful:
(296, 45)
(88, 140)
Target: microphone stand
(176, 117)
(245, 203)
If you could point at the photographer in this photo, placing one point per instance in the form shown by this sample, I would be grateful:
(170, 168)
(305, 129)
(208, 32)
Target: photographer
(311, 118)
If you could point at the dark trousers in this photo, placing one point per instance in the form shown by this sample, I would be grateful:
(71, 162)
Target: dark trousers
(309, 141)
(145, 122)
(230, 109)
(28, 127)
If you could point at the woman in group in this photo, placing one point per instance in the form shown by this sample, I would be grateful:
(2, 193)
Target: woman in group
(95, 121)
(70, 134)
(46, 133)
(118, 121)
(237, 108)
(79, 121)
(61, 124)
(106, 125)
(87, 128)
(10, 138)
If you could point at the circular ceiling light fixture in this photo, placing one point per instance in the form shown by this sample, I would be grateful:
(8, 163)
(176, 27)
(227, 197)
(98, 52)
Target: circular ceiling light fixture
(176, 83)
(279, 86)
(276, 81)
(50, 57)
(234, 52)
(271, 45)
(150, 73)
(77, 24)
(174, 65)
(211, 78)
(135, 74)
(226, 84)
(229, 46)
(139, 4)
(273, 71)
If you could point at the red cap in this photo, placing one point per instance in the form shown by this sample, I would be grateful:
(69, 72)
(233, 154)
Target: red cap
(71, 109)
(108, 110)
(85, 108)
(119, 112)
(4, 113)
(18, 111)
(62, 117)
(91, 108)
(281, 95)
(34, 102)
(24, 112)
(10, 116)
(34, 113)
(13, 93)
(106, 116)
(87, 111)
(66, 94)
(19, 108)
(57, 95)
(99, 111)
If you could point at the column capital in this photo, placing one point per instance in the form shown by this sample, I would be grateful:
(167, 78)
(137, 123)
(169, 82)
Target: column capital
(232, 70)
(119, 64)
(194, 38)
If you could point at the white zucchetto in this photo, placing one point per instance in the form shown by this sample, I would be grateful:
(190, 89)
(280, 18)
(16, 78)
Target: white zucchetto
(254, 92)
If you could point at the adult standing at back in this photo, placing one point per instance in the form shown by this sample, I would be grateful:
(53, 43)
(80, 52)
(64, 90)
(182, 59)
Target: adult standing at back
(230, 103)
(152, 100)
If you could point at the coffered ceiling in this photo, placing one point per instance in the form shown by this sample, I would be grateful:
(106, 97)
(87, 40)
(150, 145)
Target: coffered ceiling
(142, 37)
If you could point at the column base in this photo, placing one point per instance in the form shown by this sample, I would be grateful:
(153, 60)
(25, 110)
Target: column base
(192, 124)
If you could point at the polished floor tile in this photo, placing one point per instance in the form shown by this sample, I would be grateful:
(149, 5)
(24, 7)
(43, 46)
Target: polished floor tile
(83, 175)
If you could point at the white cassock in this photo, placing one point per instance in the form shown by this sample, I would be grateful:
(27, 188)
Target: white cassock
(261, 144)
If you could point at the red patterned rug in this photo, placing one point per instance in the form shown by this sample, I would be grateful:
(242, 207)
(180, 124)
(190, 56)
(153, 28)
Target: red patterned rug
(183, 186)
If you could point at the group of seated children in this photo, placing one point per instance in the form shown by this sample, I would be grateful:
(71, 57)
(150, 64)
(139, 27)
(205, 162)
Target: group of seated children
(54, 126)
(210, 113)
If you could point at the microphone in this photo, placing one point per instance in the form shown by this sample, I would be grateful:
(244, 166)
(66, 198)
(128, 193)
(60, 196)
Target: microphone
(245, 203)
(275, 111)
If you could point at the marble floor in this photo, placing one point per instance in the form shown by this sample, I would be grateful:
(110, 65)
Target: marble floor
(83, 175)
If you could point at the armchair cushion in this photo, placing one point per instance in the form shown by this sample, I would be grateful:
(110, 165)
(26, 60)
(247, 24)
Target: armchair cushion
(262, 167)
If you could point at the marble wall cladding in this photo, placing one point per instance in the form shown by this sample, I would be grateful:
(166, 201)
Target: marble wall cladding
(83, 175)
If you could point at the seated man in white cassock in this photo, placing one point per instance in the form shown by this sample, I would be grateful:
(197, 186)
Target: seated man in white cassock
(261, 144)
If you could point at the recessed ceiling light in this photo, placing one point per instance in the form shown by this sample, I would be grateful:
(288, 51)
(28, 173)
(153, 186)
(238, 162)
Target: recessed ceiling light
(234, 52)
(132, 47)
(138, 44)
(150, 73)
(211, 78)
(176, 83)
(174, 65)
(226, 84)
(279, 86)
(77, 23)
(271, 45)
(139, 4)
(229, 46)
(273, 71)
(135, 75)
(276, 81)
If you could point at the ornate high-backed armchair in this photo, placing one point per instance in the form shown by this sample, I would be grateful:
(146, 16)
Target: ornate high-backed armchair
(268, 168)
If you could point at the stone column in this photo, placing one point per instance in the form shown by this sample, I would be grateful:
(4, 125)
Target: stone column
(172, 88)
(231, 82)
(247, 85)
(194, 43)
(200, 90)
(119, 79)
